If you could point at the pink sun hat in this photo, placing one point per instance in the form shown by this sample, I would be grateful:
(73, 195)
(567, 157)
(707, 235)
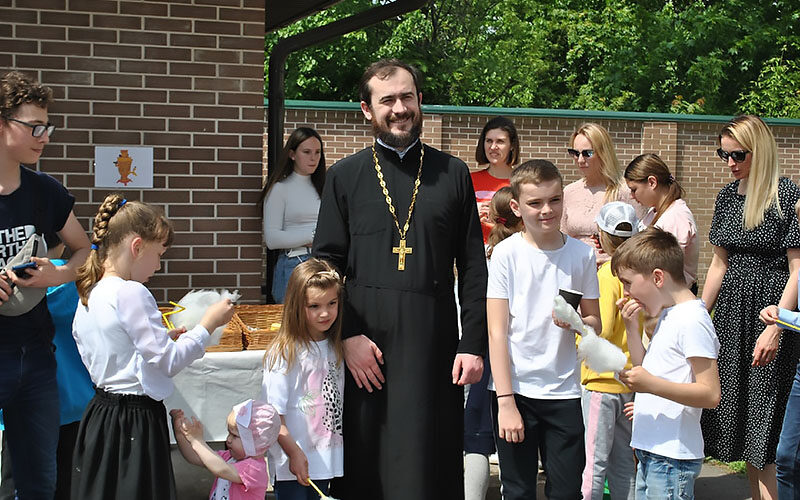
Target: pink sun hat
(258, 424)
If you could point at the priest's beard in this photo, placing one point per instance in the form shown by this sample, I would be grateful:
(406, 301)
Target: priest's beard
(382, 130)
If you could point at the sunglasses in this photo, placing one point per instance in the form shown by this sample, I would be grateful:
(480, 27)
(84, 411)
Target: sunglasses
(37, 130)
(738, 156)
(586, 153)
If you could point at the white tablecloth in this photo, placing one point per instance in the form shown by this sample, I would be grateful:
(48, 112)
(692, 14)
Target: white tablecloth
(208, 388)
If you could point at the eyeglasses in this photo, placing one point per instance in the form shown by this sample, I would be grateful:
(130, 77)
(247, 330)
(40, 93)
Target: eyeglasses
(738, 156)
(586, 153)
(37, 130)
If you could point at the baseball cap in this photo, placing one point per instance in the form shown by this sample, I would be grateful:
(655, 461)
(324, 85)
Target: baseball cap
(615, 213)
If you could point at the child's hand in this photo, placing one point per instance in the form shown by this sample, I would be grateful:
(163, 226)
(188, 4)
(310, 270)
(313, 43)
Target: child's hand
(176, 414)
(628, 410)
(174, 334)
(559, 323)
(192, 429)
(509, 421)
(630, 309)
(218, 315)
(636, 379)
(298, 465)
(483, 211)
(768, 315)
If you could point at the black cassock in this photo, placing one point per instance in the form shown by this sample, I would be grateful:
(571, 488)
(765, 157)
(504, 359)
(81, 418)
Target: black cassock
(405, 441)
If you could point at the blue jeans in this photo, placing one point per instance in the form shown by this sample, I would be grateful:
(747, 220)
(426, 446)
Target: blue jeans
(292, 490)
(664, 478)
(787, 459)
(29, 398)
(283, 269)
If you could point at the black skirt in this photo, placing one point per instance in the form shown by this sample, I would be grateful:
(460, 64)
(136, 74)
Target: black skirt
(122, 450)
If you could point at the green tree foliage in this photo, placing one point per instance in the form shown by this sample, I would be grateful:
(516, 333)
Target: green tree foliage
(682, 56)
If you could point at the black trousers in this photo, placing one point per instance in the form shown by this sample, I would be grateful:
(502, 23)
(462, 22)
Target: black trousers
(558, 424)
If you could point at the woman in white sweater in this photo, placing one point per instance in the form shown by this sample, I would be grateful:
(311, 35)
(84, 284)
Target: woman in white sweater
(291, 203)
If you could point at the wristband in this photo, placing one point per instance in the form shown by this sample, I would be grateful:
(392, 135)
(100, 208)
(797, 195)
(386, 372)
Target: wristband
(505, 395)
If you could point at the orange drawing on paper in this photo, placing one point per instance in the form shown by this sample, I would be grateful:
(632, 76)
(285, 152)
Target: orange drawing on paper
(123, 164)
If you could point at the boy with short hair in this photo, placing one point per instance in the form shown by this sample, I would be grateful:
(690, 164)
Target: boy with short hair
(535, 372)
(677, 375)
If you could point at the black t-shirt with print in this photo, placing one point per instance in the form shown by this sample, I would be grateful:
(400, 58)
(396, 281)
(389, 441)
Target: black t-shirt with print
(40, 200)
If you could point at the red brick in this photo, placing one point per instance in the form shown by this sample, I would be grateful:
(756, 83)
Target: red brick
(215, 168)
(127, 138)
(239, 238)
(7, 60)
(213, 281)
(221, 84)
(241, 99)
(253, 114)
(118, 22)
(100, 94)
(50, 77)
(193, 41)
(215, 197)
(23, 46)
(192, 154)
(39, 62)
(215, 224)
(143, 67)
(193, 69)
(224, 56)
(230, 3)
(253, 29)
(142, 124)
(142, 37)
(92, 64)
(171, 197)
(249, 141)
(239, 127)
(241, 71)
(228, 141)
(180, 125)
(176, 96)
(239, 154)
(167, 110)
(225, 112)
(192, 266)
(93, 6)
(217, 28)
(46, 4)
(192, 210)
(139, 95)
(142, 8)
(117, 80)
(80, 151)
(170, 139)
(167, 53)
(252, 58)
(38, 32)
(72, 136)
(215, 253)
(64, 19)
(241, 15)
(238, 42)
(238, 183)
(118, 51)
(192, 12)
(167, 24)
(167, 82)
(92, 35)
(91, 122)
(20, 16)
(62, 106)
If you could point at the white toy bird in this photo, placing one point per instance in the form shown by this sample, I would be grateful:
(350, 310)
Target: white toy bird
(599, 354)
(196, 303)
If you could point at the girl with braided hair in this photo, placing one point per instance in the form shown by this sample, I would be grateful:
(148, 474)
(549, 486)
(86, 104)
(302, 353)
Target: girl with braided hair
(122, 450)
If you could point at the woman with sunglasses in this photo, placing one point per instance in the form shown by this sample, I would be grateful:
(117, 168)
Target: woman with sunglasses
(601, 182)
(756, 243)
(291, 202)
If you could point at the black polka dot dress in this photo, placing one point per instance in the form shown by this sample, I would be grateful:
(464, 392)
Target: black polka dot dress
(747, 423)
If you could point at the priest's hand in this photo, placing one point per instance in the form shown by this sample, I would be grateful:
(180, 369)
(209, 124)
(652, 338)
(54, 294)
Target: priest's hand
(362, 356)
(467, 368)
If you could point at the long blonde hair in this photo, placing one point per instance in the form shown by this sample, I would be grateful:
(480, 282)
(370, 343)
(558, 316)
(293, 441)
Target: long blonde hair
(762, 182)
(603, 147)
(294, 334)
(115, 220)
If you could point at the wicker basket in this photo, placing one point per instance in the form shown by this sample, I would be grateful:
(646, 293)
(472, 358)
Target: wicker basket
(232, 337)
(260, 323)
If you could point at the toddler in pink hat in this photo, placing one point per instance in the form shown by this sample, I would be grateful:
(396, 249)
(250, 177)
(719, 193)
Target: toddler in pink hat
(241, 470)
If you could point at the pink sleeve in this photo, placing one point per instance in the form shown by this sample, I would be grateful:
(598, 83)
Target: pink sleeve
(253, 472)
(680, 225)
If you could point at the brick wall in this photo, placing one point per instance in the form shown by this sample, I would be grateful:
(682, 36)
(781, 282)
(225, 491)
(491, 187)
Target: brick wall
(687, 147)
(182, 76)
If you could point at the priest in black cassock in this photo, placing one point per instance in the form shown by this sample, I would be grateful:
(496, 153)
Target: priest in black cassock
(394, 218)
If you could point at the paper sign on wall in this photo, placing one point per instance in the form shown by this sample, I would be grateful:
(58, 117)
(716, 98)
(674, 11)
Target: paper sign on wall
(123, 167)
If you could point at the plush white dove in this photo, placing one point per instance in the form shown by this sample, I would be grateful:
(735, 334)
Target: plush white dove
(196, 303)
(599, 354)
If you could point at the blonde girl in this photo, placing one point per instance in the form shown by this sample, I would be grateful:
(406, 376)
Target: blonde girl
(601, 182)
(122, 449)
(655, 188)
(304, 381)
(756, 247)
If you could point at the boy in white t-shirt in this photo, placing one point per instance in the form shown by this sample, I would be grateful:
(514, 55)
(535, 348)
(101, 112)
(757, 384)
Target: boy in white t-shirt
(677, 376)
(535, 371)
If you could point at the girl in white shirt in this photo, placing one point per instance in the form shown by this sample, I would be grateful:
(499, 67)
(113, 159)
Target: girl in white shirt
(304, 381)
(291, 203)
(122, 449)
(653, 186)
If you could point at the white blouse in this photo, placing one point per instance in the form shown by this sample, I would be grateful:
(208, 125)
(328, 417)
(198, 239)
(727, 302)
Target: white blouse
(290, 214)
(123, 344)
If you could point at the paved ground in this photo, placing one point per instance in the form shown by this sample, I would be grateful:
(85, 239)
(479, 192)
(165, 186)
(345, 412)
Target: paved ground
(714, 483)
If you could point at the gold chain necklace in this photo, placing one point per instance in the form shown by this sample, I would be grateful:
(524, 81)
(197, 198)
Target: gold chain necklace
(401, 250)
